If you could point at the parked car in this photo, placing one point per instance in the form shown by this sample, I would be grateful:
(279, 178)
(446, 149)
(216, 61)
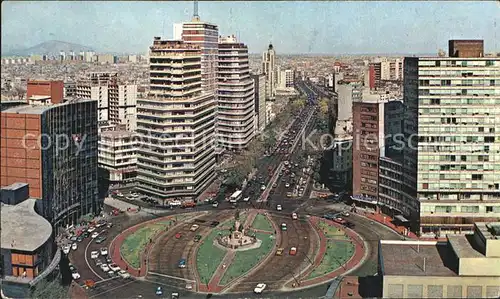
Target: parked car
(259, 288)
(105, 268)
(104, 251)
(94, 235)
(279, 208)
(123, 274)
(75, 275)
(215, 204)
(295, 216)
(66, 249)
(74, 246)
(114, 267)
(194, 227)
(100, 239)
(279, 252)
(94, 254)
(111, 273)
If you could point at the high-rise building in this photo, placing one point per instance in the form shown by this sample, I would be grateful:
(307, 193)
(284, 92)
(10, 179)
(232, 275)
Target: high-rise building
(236, 107)
(176, 124)
(116, 100)
(206, 36)
(53, 148)
(384, 71)
(269, 69)
(41, 88)
(452, 162)
(260, 100)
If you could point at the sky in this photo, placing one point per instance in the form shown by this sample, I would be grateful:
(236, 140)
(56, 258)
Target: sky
(294, 27)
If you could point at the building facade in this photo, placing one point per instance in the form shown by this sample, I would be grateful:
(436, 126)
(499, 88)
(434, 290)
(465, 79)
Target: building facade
(269, 69)
(118, 155)
(54, 150)
(176, 125)
(260, 100)
(236, 103)
(452, 169)
(52, 89)
(206, 36)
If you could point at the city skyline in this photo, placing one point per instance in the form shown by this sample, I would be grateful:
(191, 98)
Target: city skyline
(292, 27)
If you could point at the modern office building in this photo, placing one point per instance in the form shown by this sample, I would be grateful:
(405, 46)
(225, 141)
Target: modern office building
(53, 149)
(118, 155)
(260, 100)
(236, 103)
(176, 125)
(452, 168)
(341, 172)
(52, 89)
(460, 267)
(269, 69)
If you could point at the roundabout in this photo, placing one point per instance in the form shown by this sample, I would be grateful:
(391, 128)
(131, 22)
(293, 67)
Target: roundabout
(231, 251)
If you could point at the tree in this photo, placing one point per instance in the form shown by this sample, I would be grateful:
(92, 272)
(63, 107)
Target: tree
(49, 289)
(324, 106)
(19, 92)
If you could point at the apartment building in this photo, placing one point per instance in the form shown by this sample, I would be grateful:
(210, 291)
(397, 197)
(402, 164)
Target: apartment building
(116, 100)
(452, 168)
(118, 155)
(384, 71)
(260, 101)
(53, 148)
(341, 171)
(176, 125)
(236, 103)
(269, 69)
(285, 79)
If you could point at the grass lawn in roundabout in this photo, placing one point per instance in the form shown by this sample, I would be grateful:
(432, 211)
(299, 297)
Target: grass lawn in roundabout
(244, 261)
(209, 257)
(262, 223)
(332, 232)
(337, 253)
(135, 243)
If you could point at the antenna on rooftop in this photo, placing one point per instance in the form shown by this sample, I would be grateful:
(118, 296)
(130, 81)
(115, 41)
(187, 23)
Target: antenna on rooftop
(195, 10)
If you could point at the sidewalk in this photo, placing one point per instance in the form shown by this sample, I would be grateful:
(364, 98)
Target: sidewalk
(385, 220)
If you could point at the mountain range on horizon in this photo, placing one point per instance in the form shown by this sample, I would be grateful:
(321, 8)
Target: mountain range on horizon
(53, 47)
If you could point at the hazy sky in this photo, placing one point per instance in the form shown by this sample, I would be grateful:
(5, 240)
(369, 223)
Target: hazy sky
(293, 27)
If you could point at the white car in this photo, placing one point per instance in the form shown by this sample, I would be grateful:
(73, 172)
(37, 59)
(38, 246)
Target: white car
(74, 246)
(91, 229)
(75, 275)
(246, 199)
(94, 235)
(114, 267)
(94, 254)
(194, 227)
(263, 187)
(66, 249)
(104, 251)
(287, 185)
(259, 288)
(345, 214)
(294, 216)
(279, 208)
(105, 268)
(123, 274)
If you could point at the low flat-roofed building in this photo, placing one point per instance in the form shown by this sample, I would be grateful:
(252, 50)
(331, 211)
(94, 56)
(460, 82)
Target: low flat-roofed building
(463, 266)
(26, 241)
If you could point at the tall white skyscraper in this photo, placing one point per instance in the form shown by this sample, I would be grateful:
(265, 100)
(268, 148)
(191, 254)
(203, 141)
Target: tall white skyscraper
(236, 109)
(176, 123)
(269, 69)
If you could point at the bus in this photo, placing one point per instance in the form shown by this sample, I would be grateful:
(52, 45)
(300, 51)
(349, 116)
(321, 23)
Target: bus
(236, 196)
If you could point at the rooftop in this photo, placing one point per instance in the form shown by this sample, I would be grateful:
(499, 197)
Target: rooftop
(22, 228)
(39, 109)
(14, 186)
(463, 247)
(117, 134)
(407, 258)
